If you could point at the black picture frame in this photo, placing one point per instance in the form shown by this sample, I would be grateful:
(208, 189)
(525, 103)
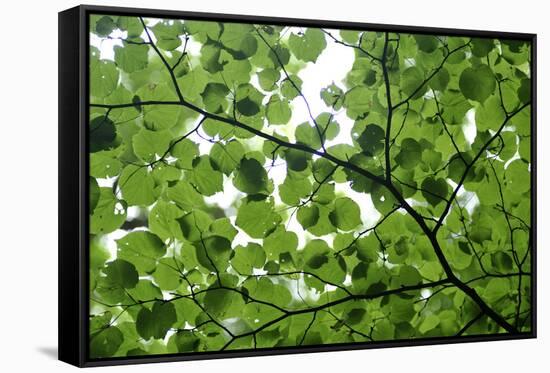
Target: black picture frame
(73, 182)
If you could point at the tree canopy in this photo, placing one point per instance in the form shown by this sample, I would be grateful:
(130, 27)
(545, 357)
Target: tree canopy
(219, 221)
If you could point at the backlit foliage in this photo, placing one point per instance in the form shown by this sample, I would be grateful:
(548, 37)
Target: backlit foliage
(219, 221)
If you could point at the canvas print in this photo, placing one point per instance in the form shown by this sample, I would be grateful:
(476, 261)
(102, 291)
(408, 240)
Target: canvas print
(256, 186)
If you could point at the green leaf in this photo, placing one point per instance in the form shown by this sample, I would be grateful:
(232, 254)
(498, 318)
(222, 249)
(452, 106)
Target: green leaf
(355, 316)
(477, 83)
(371, 140)
(167, 275)
(193, 83)
(297, 160)
(247, 107)
(248, 257)
(105, 75)
(257, 218)
(185, 196)
(151, 145)
(435, 190)
(156, 322)
(332, 95)
(346, 214)
(227, 156)
(137, 186)
(307, 46)
(358, 101)
(102, 134)
(186, 341)
(109, 213)
(162, 220)
(160, 117)
(167, 34)
(279, 55)
(100, 322)
(94, 194)
(409, 276)
(454, 106)
(104, 26)
(210, 58)
(482, 47)
(430, 322)
(185, 151)
(410, 154)
(194, 224)
(223, 303)
(426, 43)
(122, 273)
(142, 249)
(204, 177)
(440, 80)
(239, 37)
(280, 241)
(106, 342)
(131, 57)
(131, 25)
(213, 97)
(103, 166)
(308, 216)
(224, 228)
(490, 115)
(517, 176)
(236, 71)
(278, 110)
(268, 79)
(248, 100)
(496, 288)
(412, 81)
(213, 252)
(524, 91)
(294, 189)
(308, 135)
(145, 290)
(206, 29)
(251, 177)
(289, 85)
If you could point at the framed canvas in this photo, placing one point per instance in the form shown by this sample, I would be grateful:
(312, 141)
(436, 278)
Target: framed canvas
(235, 186)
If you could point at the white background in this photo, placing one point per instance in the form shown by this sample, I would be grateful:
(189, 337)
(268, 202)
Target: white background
(28, 184)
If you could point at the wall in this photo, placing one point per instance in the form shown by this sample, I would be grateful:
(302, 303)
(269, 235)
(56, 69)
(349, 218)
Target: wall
(28, 186)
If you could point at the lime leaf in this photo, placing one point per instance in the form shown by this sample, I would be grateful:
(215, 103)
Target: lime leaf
(213, 252)
(308, 216)
(106, 342)
(412, 81)
(278, 110)
(122, 273)
(137, 186)
(102, 134)
(371, 139)
(109, 213)
(307, 46)
(142, 249)
(156, 322)
(131, 57)
(477, 83)
(257, 218)
(346, 214)
(204, 177)
(434, 190)
(248, 257)
(251, 177)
